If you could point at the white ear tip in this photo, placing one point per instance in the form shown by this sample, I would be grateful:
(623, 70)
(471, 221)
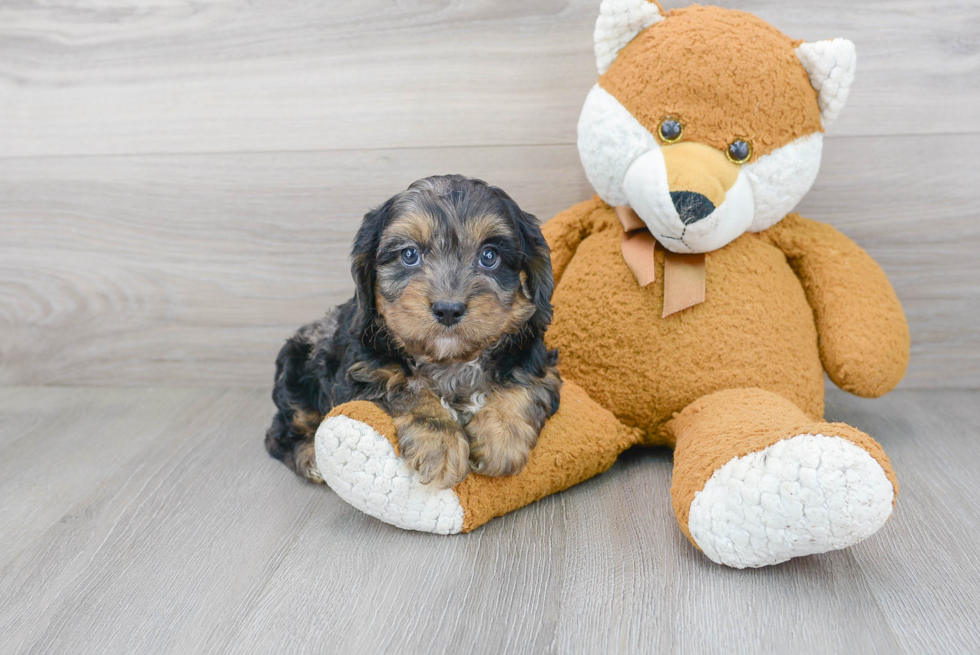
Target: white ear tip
(619, 22)
(831, 66)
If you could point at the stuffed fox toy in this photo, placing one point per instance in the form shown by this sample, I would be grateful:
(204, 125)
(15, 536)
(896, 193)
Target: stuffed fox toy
(692, 309)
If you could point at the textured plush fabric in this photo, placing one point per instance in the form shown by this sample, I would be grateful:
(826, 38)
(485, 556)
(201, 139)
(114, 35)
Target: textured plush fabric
(780, 179)
(724, 76)
(356, 455)
(807, 494)
(735, 375)
(711, 432)
(610, 140)
(358, 460)
(371, 414)
(755, 328)
(626, 165)
(673, 69)
(831, 66)
(579, 442)
(863, 334)
(619, 21)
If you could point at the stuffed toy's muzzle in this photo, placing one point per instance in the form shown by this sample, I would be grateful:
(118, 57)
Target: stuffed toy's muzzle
(690, 196)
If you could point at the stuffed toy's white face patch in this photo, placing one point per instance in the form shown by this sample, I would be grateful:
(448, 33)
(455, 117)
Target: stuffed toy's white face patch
(690, 195)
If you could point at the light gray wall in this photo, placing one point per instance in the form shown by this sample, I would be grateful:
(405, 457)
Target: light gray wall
(179, 184)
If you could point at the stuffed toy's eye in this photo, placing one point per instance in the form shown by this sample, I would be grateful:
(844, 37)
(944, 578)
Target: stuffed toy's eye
(410, 256)
(739, 151)
(489, 258)
(671, 130)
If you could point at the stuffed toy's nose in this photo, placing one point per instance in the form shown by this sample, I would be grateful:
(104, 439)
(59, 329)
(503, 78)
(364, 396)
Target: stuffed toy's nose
(691, 206)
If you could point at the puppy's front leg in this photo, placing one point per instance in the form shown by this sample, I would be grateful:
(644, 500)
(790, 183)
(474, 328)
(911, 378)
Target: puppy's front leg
(432, 442)
(503, 432)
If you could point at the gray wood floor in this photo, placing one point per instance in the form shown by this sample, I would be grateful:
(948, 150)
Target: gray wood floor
(151, 521)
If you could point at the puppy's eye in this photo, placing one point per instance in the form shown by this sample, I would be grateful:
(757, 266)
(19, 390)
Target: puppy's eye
(739, 151)
(489, 257)
(671, 130)
(410, 256)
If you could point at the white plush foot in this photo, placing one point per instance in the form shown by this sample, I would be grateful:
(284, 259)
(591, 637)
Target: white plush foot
(361, 466)
(804, 495)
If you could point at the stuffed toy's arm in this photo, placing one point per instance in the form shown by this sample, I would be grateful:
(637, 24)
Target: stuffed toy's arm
(863, 335)
(566, 230)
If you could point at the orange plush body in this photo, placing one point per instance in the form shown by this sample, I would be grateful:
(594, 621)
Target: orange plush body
(733, 383)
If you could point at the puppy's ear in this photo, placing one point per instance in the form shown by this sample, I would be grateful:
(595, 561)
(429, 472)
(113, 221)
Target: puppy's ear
(362, 268)
(536, 262)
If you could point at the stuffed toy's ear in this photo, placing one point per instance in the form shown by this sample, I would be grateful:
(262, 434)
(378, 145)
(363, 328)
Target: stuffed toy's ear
(830, 65)
(619, 22)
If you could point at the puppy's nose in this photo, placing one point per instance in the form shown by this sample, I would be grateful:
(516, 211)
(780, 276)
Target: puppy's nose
(448, 312)
(691, 207)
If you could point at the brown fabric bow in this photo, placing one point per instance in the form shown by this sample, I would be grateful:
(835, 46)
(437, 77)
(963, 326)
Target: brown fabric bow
(684, 275)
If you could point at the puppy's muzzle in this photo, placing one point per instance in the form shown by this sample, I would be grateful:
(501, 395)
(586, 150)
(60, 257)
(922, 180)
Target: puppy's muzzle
(448, 312)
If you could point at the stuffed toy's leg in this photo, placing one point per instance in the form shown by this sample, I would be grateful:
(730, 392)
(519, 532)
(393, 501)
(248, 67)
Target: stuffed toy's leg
(757, 482)
(357, 454)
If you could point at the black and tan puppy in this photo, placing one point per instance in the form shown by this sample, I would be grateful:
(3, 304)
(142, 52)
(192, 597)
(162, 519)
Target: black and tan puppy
(445, 333)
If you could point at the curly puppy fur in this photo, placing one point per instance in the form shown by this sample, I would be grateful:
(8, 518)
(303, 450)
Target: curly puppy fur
(444, 332)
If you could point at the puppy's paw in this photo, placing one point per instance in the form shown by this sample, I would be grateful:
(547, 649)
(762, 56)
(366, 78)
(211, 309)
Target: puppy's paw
(499, 443)
(304, 460)
(437, 450)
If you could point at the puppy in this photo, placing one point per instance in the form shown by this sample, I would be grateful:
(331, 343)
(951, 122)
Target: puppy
(445, 332)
